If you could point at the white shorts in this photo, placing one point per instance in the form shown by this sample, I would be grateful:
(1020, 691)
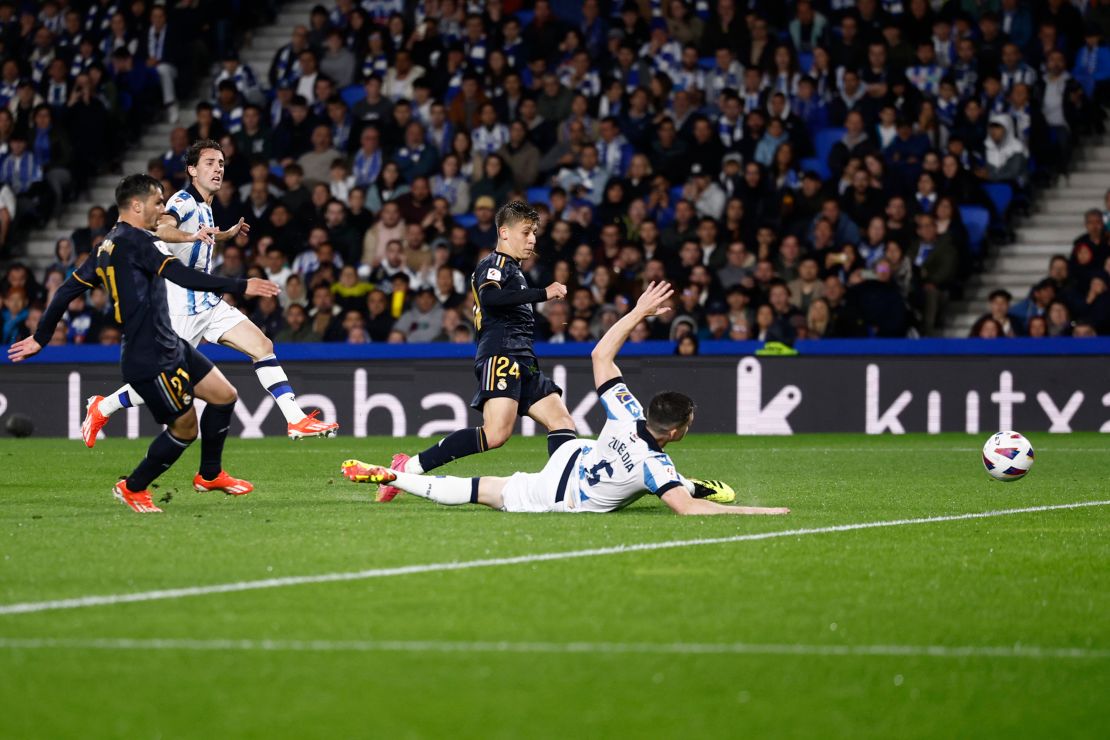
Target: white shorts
(211, 324)
(537, 492)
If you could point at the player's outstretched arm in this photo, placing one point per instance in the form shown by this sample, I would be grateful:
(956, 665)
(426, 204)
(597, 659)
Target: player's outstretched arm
(605, 352)
(80, 281)
(681, 502)
(167, 231)
(178, 273)
(229, 234)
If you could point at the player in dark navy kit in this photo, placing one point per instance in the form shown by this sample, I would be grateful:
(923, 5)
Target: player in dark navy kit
(159, 364)
(510, 382)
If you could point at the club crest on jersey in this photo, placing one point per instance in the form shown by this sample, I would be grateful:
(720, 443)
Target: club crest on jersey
(501, 384)
(105, 247)
(626, 399)
(493, 274)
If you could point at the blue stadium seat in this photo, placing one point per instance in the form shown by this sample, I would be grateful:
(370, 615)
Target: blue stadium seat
(816, 165)
(823, 142)
(676, 194)
(976, 219)
(805, 61)
(352, 94)
(538, 195)
(466, 220)
(1001, 194)
(277, 170)
(707, 63)
(524, 16)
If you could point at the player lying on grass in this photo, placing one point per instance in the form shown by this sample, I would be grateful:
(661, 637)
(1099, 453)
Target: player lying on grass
(189, 233)
(157, 362)
(584, 475)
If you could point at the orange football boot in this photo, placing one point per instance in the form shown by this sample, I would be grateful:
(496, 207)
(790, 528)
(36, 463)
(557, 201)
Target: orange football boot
(94, 421)
(223, 482)
(139, 501)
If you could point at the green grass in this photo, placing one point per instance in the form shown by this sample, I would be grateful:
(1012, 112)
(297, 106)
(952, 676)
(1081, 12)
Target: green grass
(1038, 579)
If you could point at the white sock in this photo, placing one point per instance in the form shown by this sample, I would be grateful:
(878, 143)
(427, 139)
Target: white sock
(414, 466)
(123, 398)
(273, 378)
(447, 489)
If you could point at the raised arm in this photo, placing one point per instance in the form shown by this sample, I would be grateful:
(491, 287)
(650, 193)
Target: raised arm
(609, 346)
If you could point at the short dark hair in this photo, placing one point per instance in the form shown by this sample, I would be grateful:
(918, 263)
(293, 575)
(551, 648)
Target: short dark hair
(515, 212)
(669, 410)
(192, 154)
(135, 186)
(1001, 293)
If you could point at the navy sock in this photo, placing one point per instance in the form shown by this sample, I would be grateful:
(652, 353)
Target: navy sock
(556, 438)
(455, 445)
(162, 453)
(214, 423)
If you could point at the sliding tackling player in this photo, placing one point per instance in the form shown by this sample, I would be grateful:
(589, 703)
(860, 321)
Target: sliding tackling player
(625, 462)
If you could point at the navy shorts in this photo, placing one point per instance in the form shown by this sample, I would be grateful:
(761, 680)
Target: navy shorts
(169, 394)
(515, 377)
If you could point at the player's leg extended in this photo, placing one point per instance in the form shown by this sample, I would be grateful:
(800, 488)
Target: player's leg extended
(101, 408)
(552, 413)
(249, 339)
(214, 425)
(498, 418)
(448, 490)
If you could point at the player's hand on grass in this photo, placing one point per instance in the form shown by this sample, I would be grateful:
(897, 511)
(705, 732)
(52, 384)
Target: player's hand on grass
(23, 349)
(556, 290)
(651, 300)
(257, 288)
(205, 235)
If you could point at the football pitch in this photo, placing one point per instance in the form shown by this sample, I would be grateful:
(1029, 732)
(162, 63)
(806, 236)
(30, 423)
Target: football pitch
(306, 611)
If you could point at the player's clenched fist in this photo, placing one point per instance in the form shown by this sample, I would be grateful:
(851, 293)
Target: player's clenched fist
(257, 287)
(556, 290)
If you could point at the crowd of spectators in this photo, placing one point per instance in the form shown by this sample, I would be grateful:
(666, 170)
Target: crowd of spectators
(1073, 299)
(80, 80)
(797, 169)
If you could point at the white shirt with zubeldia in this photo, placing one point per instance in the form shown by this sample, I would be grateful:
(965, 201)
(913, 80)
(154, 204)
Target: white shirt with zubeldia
(191, 212)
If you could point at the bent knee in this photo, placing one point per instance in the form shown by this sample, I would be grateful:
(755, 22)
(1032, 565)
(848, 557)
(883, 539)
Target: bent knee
(184, 428)
(225, 397)
(497, 436)
(265, 348)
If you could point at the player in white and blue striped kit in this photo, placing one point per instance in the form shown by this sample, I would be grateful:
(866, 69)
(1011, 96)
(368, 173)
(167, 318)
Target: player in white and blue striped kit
(188, 232)
(624, 463)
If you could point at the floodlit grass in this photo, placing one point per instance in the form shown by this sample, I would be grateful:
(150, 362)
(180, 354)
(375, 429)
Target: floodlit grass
(597, 646)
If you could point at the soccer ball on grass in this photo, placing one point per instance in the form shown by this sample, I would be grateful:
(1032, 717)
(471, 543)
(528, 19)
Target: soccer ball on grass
(1007, 456)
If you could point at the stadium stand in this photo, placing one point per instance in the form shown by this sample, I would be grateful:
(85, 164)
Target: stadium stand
(807, 170)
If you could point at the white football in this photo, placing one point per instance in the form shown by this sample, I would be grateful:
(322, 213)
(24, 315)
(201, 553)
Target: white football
(1007, 456)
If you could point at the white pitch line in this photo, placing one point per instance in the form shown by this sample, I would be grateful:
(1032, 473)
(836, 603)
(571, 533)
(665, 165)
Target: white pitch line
(542, 557)
(598, 648)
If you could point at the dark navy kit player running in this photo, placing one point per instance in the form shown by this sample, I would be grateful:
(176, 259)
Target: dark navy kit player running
(510, 381)
(159, 364)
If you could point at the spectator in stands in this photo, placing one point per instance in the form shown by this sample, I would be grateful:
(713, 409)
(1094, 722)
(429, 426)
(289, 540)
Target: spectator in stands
(1036, 305)
(986, 327)
(1000, 301)
(424, 320)
(296, 327)
(1089, 250)
(937, 262)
